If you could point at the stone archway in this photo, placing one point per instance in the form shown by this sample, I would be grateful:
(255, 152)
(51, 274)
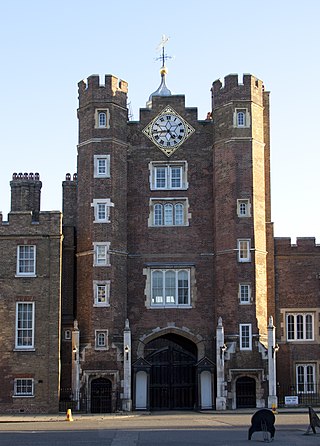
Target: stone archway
(183, 332)
(173, 361)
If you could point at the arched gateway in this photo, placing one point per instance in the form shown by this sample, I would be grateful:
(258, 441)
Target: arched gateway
(168, 372)
(172, 374)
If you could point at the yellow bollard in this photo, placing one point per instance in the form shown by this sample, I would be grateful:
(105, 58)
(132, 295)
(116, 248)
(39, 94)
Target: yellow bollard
(69, 415)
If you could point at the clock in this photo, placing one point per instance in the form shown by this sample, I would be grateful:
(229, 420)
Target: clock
(168, 130)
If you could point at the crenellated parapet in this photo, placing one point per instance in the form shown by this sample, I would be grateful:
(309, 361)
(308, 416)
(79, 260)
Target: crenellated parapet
(251, 89)
(22, 223)
(303, 245)
(113, 90)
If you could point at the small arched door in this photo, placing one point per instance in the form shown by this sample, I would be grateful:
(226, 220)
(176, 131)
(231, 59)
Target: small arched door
(101, 396)
(246, 392)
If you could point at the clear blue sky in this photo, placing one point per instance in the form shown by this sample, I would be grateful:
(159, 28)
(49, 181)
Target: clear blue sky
(47, 46)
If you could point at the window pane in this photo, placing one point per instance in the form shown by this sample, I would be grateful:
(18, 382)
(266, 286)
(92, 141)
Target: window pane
(178, 214)
(158, 218)
(101, 294)
(176, 176)
(183, 287)
(241, 119)
(102, 119)
(244, 250)
(245, 337)
(24, 387)
(300, 378)
(157, 287)
(290, 327)
(244, 293)
(160, 177)
(170, 287)
(309, 326)
(101, 211)
(101, 340)
(102, 166)
(310, 378)
(26, 259)
(101, 254)
(168, 214)
(299, 326)
(243, 208)
(24, 325)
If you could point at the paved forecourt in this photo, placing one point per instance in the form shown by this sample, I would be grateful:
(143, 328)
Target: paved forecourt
(170, 429)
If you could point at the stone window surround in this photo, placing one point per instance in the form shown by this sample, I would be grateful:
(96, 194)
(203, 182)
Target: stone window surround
(295, 310)
(247, 204)
(165, 266)
(309, 386)
(183, 165)
(106, 284)
(245, 118)
(96, 118)
(96, 158)
(249, 299)
(244, 336)
(304, 315)
(244, 250)
(102, 201)
(96, 337)
(95, 254)
(169, 200)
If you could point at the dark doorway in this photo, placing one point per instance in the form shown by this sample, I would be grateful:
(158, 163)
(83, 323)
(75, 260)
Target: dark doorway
(101, 396)
(172, 376)
(246, 392)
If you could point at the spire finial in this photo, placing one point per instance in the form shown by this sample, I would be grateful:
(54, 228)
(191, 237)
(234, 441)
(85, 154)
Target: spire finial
(163, 57)
(162, 90)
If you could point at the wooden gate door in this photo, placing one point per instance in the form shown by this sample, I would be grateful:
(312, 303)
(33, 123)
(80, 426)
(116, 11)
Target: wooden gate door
(101, 396)
(246, 392)
(172, 377)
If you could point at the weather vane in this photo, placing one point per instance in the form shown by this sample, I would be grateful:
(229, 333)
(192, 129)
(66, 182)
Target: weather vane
(160, 47)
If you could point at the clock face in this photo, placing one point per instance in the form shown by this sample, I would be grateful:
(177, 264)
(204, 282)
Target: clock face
(168, 130)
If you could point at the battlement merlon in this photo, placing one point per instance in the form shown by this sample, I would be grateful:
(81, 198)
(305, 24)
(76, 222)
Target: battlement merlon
(113, 90)
(303, 245)
(251, 89)
(21, 223)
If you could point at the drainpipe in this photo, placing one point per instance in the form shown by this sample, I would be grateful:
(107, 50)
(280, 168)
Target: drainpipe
(127, 401)
(76, 364)
(220, 352)
(272, 351)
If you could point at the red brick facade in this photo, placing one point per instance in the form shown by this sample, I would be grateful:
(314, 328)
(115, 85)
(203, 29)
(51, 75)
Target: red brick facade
(171, 277)
(225, 197)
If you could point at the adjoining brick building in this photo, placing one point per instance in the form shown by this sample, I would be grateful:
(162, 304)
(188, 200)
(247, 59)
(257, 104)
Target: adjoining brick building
(178, 280)
(30, 293)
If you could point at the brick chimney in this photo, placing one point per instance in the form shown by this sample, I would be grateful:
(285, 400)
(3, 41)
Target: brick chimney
(25, 193)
